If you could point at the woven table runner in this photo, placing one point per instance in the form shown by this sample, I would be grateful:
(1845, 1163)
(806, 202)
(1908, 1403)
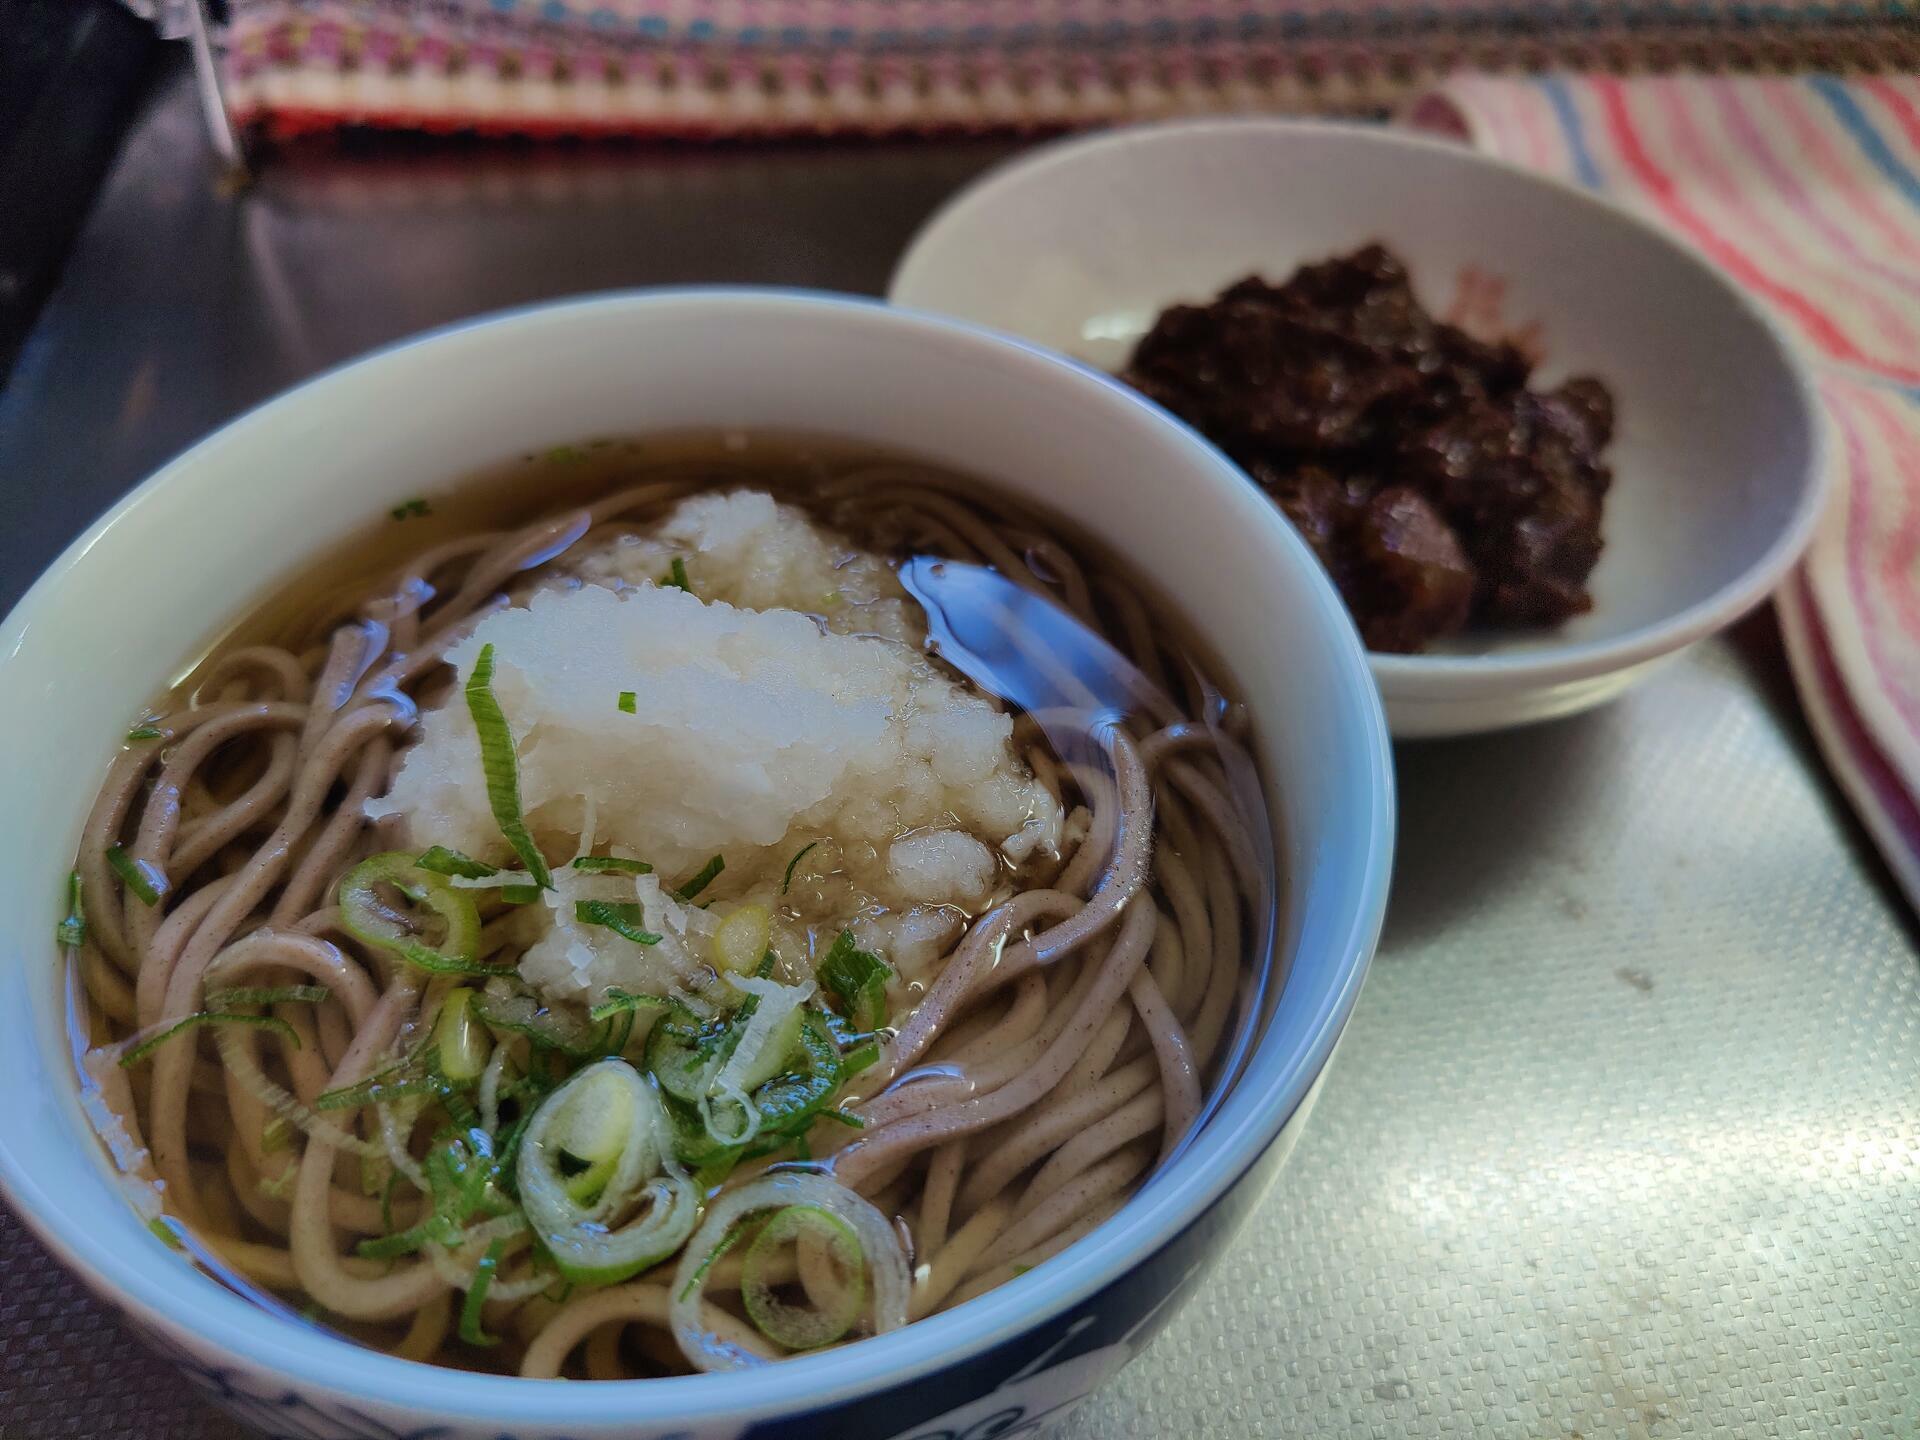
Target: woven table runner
(708, 68)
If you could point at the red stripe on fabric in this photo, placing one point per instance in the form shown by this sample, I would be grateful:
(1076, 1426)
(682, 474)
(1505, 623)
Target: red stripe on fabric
(1899, 106)
(1699, 156)
(1818, 326)
(1860, 523)
(1812, 201)
(1789, 99)
(1897, 566)
(1889, 789)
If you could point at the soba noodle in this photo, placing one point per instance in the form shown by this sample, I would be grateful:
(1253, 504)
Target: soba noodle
(1037, 1075)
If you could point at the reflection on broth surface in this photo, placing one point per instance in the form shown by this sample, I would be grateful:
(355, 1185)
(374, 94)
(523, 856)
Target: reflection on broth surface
(669, 905)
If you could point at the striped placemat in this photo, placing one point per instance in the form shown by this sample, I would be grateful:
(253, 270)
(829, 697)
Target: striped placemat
(758, 67)
(1807, 191)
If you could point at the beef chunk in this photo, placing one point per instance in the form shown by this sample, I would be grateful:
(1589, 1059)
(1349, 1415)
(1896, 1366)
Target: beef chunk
(1434, 486)
(1414, 581)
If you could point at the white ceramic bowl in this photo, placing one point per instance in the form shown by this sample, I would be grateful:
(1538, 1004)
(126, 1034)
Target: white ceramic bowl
(110, 623)
(1719, 458)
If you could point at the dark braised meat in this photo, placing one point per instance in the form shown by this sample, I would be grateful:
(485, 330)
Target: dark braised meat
(1434, 486)
(1416, 578)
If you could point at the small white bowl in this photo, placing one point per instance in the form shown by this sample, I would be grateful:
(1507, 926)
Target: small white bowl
(1719, 460)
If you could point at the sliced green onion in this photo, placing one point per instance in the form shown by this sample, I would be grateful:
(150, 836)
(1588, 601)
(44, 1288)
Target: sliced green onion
(804, 1080)
(502, 768)
(476, 1300)
(798, 856)
(138, 876)
(392, 1247)
(1019, 1270)
(677, 576)
(407, 509)
(205, 1017)
(727, 1242)
(463, 1175)
(609, 1109)
(145, 732)
(406, 1076)
(740, 945)
(442, 861)
(680, 1064)
(276, 1135)
(548, 1029)
(624, 917)
(267, 995)
(790, 1325)
(163, 1226)
(857, 978)
(619, 863)
(367, 916)
(458, 1107)
(460, 1041)
(72, 931)
(705, 878)
(618, 1001)
(769, 1031)
(509, 885)
(629, 702)
(844, 1117)
(884, 1291)
(861, 1057)
(383, 1092)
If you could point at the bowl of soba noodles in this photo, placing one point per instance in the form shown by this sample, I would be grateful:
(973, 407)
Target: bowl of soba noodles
(710, 863)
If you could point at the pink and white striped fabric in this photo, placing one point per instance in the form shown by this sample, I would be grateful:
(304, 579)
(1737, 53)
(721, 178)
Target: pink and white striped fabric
(1807, 191)
(704, 68)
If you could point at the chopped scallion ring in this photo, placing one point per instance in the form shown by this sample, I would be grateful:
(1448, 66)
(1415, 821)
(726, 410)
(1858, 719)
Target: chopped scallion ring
(846, 1280)
(368, 915)
(460, 1040)
(884, 1289)
(636, 1209)
(142, 879)
(629, 702)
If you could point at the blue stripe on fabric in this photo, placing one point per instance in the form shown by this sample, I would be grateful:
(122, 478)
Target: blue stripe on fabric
(1872, 143)
(1558, 96)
